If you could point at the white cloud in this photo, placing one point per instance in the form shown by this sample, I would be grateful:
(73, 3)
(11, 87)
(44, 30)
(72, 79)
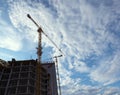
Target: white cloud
(41, 15)
(88, 90)
(112, 91)
(70, 85)
(81, 67)
(9, 38)
(108, 72)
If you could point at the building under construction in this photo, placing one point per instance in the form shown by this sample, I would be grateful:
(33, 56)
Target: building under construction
(28, 78)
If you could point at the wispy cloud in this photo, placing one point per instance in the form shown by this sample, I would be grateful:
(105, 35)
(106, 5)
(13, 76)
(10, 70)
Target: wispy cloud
(9, 38)
(112, 91)
(108, 72)
(88, 90)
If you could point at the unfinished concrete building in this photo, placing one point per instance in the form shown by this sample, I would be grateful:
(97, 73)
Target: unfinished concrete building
(26, 77)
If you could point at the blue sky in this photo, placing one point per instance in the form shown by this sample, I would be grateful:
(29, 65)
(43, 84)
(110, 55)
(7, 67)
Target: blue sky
(87, 31)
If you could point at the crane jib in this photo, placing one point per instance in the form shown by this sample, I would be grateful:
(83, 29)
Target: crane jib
(40, 30)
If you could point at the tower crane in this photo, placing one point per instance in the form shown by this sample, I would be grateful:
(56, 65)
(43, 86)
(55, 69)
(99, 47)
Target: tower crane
(39, 49)
(39, 54)
(57, 71)
(40, 31)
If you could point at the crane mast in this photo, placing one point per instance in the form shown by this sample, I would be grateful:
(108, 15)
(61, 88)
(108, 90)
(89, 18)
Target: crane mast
(39, 48)
(57, 72)
(39, 54)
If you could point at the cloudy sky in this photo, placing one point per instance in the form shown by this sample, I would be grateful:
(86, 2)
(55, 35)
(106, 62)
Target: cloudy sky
(87, 32)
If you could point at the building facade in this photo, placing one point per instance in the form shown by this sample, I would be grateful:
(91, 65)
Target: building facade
(27, 77)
